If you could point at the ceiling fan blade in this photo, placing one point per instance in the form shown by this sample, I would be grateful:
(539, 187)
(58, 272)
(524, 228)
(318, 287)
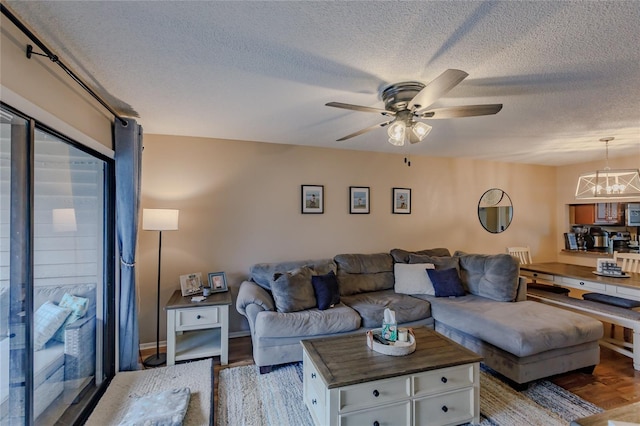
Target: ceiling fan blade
(360, 108)
(359, 132)
(438, 87)
(462, 111)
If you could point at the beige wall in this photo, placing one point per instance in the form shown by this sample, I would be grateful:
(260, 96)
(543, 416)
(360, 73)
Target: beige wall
(44, 84)
(239, 204)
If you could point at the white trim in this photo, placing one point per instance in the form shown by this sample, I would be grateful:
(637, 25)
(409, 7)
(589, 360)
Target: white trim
(29, 108)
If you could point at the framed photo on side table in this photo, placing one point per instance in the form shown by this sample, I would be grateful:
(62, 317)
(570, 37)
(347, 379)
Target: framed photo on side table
(401, 199)
(191, 283)
(359, 200)
(312, 199)
(218, 282)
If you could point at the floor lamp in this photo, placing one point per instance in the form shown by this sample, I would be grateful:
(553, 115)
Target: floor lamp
(158, 220)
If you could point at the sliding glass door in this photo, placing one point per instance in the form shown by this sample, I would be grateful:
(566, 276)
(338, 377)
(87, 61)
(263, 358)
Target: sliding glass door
(56, 274)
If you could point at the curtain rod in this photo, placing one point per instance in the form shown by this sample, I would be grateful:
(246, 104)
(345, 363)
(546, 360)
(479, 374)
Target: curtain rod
(54, 58)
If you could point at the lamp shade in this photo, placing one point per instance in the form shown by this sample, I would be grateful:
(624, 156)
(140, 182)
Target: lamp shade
(160, 219)
(64, 220)
(611, 183)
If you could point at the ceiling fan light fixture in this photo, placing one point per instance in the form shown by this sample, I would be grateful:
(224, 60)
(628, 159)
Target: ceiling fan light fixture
(609, 183)
(421, 130)
(397, 132)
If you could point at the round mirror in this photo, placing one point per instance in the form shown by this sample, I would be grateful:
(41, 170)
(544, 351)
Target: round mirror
(495, 210)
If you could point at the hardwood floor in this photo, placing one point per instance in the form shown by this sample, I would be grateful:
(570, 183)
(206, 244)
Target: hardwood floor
(614, 382)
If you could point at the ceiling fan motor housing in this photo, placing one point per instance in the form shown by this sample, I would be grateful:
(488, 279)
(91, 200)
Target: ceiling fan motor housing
(397, 96)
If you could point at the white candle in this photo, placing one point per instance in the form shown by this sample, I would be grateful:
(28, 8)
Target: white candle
(402, 335)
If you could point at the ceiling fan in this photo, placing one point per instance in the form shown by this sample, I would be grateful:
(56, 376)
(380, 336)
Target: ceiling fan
(408, 101)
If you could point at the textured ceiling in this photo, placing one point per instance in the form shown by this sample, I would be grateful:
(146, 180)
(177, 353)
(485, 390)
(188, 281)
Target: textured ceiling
(568, 73)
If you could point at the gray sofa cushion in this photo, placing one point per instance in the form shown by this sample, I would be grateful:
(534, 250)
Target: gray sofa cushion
(292, 291)
(311, 322)
(493, 276)
(402, 256)
(360, 273)
(538, 328)
(262, 273)
(371, 307)
(440, 262)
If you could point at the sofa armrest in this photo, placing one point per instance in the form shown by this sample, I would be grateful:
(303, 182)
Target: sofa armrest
(251, 293)
(80, 349)
(521, 295)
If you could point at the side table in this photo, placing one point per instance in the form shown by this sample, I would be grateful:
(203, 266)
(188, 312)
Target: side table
(198, 329)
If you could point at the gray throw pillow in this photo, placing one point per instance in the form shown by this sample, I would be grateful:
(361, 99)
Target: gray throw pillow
(292, 290)
(402, 256)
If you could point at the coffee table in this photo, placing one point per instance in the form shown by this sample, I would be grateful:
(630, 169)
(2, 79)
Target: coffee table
(346, 383)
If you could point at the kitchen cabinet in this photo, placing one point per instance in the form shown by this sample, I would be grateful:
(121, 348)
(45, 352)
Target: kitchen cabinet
(598, 214)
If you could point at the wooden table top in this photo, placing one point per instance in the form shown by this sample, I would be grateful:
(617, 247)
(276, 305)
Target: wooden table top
(582, 273)
(628, 413)
(347, 360)
(178, 301)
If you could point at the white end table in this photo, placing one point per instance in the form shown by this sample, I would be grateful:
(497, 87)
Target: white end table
(198, 329)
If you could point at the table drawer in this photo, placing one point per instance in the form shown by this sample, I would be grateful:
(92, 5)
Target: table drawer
(629, 293)
(312, 378)
(374, 393)
(583, 284)
(451, 408)
(195, 318)
(442, 380)
(387, 415)
(315, 403)
(537, 275)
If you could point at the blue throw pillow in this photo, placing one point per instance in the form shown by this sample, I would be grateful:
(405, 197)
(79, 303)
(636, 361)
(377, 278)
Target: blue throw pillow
(326, 290)
(446, 282)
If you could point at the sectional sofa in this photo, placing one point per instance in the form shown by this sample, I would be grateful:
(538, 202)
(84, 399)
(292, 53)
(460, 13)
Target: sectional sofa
(287, 302)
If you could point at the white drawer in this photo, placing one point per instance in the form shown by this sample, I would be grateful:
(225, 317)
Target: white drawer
(195, 318)
(451, 408)
(312, 378)
(583, 284)
(629, 293)
(315, 403)
(374, 393)
(387, 415)
(537, 275)
(443, 380)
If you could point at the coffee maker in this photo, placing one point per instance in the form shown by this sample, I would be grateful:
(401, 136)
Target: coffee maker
(620, 241)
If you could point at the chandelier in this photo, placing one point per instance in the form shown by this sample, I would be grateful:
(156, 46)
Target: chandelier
(404, 129)
(609, 183)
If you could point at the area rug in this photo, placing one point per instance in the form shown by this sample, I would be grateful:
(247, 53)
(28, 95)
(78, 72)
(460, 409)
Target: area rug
(247, 398)
(128, 386)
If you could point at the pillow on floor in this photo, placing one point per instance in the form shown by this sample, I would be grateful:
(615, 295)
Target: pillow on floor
(413, 278)
(446, 282)
(166, 408)
(48, 319)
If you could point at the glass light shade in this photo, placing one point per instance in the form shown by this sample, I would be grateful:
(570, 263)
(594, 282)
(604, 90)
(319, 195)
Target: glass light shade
(612, 183)
(421, 130)
(160, 219)
(397, 131)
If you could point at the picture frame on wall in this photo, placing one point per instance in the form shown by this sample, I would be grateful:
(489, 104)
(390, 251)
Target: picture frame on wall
(218, 282)
(191, 283)
(312, 199)
(401, 200)
(359, 200)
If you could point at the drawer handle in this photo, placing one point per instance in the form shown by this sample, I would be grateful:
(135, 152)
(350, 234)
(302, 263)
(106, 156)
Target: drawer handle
(443, 380)
(581, 282)
(376, 393)
(313, 375)
(314, 401)
(376, 423)
(444, 408)
(199, 316)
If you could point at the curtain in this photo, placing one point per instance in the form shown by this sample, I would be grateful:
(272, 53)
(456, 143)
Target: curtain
(128, 159)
